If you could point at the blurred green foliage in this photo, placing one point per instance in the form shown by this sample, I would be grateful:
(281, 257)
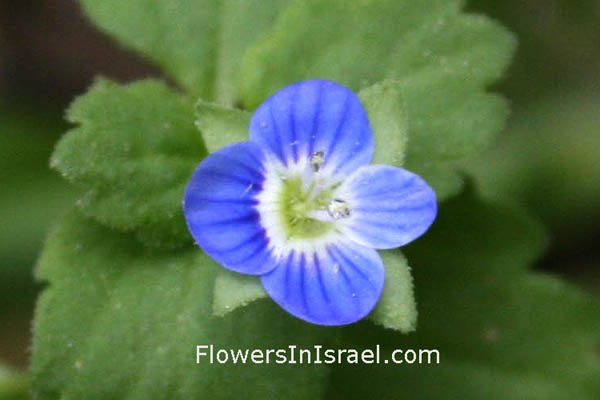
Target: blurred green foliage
(558, 50)
(13, 385)
(26, 140)
(32, 195)
(549, 159)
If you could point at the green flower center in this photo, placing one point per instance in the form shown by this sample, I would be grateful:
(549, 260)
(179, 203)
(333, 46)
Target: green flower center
(298, 205)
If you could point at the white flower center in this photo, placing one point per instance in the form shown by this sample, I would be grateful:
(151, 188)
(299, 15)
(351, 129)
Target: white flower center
(299, 205)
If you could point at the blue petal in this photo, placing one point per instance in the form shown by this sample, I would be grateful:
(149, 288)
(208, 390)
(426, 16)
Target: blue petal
(337, 286)
(312, 116)
(390, 206)
(219, 207)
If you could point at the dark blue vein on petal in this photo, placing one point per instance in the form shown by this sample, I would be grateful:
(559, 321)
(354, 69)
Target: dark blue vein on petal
(391, 210)
(232, 161)
(259, 249)
(395, 191)
(277, 137)
(320, 278)
(385, 224)
(251, 217)
(242, 201)
(337, 261)
(338, 131)
(355, 299)
(286, 278)
(233, 177)
(322, 286)
(316, 119)
(293, 143)
(346, 261)
(345, 277)
(257, 235)
(302, 288)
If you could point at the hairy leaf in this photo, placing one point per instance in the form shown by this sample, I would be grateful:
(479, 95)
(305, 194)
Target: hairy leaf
(396, 308)
(386, 111)
(125, 323)
(133, 151)
(221, 126)
(233, 290)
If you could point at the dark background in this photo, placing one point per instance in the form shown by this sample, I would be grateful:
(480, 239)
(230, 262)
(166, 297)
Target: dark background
(49, 53)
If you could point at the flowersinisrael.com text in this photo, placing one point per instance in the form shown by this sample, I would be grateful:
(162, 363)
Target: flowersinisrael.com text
(317, 354)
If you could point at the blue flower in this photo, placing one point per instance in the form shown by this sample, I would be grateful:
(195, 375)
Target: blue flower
(299, 205)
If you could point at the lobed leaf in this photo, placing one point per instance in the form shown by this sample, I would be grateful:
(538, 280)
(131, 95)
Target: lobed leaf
(132, 152)
(198, 42)
(128, 311)
(125, 323)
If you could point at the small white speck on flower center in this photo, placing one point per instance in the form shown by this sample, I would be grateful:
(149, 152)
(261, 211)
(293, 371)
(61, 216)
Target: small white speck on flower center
(338, 209)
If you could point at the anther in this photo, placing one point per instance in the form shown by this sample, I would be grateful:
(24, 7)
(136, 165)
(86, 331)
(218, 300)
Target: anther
(317, 160)
(338, 209)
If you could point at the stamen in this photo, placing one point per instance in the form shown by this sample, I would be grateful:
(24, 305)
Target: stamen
(317, 160)
(338, 209)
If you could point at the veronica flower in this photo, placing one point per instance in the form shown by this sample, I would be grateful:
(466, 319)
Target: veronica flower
(299, 205)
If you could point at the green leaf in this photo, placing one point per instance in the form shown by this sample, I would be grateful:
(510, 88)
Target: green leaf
(199, 43)
(385, 108)
(502, 332)
(443, 176)
(242, 22)
(396, 308)
(221, 126)
(132, 152)
(438, 58)
(448, 120)
(365, 42)
(233, 290)
(125, 323)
